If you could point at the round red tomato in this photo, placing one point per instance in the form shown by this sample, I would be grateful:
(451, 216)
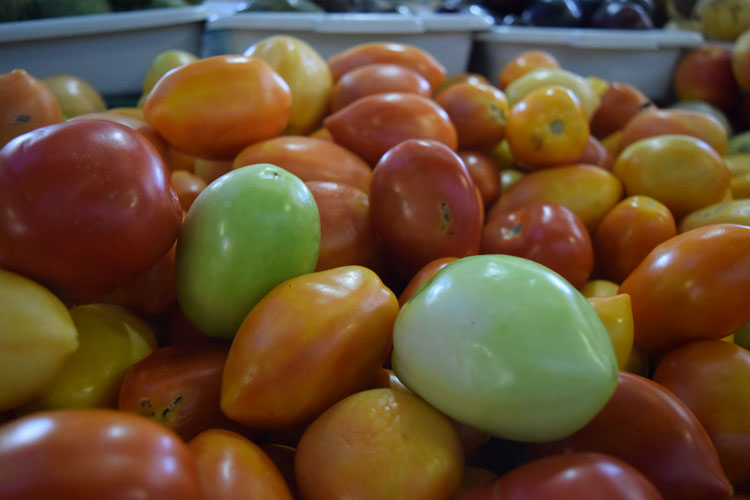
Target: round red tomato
(92, 454)
(84, 205)
(547, 233)
(424, 204)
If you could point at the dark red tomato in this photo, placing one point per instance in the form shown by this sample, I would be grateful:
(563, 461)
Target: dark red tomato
(693, 286)
(572, 476)
(93, 454)
(424, 204)
(485, 174)
(713, 379)
(178, 386)
(547, 233)
(645, 425)
(84, 205)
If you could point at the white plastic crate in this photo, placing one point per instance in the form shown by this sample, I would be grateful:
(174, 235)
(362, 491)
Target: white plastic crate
(448, 37)
(110, 51)
(643, 58)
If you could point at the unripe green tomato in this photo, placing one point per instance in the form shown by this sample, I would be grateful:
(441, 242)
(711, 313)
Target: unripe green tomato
(245, 233)
(505, 345)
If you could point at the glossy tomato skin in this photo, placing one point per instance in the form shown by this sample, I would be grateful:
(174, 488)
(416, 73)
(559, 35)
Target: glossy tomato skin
(85, 205)
(573, 476)
(648, 427)
(377, 79)
(424, 204)
(94, 454)
(693, 286)
(547, 233)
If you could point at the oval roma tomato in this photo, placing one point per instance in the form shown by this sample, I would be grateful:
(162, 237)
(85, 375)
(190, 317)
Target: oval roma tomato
(310, 342)
(485, 174)
(94, 454)
(648, 427)
(27, 104)
(377, 79)
(547, 233)
(84, 205)
(710, 377)
(570, 476)
(505, 345)
(424, 204)
(216, 106)
(691, 287)
(372, 125)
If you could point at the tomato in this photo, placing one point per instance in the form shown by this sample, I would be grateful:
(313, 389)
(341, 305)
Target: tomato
(710, 378)
(484, 173)
(547, 127)
(616, 312)
(629, 231)
(590, 192)
(599, 288)
(402, 54)
(572, 476)
(478, 111)
(97, 193)
(216, 106)
(423, 276)
(162, 63)
(505, 345)
(547, 233)
(248, 231)
(733, 211)
(75, 95)
(231, 466)
(648, 427)
(187, 186)
(692, 286)
(620, 102)
(178, 386)
(306, 73)
(596, 154)
(372, 125)
(420, 221)
(377, 79)
(37, 335)
(346, 234)
(27, 104)
(545, 77)
(525, 62)
(311, 341)
(93, 454)
(309, 159)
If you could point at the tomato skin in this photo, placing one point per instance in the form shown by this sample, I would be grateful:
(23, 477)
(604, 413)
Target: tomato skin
(93, 454)
(485, 174)
(547, 233)
(693, 286)
(571, 476)
(372, 125)
(421, 221)
(377, 79)
(97, 193)
(648, 427)
(309, 342)
(423, 276)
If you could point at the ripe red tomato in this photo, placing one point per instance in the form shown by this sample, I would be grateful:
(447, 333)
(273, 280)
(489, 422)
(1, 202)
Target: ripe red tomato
(92, 454)
(547, 233)
(84, 205)
(424, 204)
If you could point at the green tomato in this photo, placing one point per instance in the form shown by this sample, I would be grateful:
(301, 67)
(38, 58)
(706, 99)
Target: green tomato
(505, 345)
(247, 231)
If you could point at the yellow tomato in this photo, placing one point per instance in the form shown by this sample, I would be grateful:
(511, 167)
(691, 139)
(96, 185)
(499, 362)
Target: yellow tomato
(734, 212)
(37, 334)
(616, 313)
(599, 288)
(517, 89)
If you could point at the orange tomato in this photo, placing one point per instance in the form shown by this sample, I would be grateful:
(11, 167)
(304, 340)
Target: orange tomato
(620, 102)
(547, 127)
(596, 154)
(616, 312)
(478, 112)
(422, 276)
(377, 79)
(402, 54)
(215, 107)
(523, 63)
(26, 104)
(188, 186)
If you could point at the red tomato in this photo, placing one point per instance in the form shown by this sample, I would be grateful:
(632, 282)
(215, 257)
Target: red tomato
(485, 174)
(423, 276)
(232, 467)
(372, 125)
(94, 454)
(711, 378)
(84, 205)
(547, 233)
(693, 286)
(178, 386)
(573, 476)
(424, 204)
(645, 425)
(308, 343)
(377, 79)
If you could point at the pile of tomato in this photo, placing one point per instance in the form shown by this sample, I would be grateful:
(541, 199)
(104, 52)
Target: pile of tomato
(282, 276)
